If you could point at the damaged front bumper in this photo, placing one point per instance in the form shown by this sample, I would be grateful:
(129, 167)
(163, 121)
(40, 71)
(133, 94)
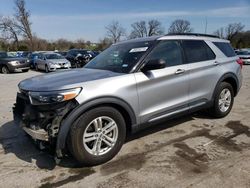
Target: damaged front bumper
(41, 122)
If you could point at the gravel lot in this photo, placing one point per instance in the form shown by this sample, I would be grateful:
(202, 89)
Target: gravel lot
(192, 151)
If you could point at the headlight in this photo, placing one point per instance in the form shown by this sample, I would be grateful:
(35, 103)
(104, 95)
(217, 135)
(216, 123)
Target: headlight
(53, 96)
(14, 63)
(51, 63)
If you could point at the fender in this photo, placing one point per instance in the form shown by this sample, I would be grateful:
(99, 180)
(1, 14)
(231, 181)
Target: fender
(225, 76)
(66, 124)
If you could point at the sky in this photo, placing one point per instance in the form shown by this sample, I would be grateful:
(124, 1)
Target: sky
(86, 19)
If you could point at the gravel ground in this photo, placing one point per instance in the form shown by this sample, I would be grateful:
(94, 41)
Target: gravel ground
(191, 151)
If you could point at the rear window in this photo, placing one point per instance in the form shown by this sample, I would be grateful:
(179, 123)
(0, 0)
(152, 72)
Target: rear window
(226, 48)
(197, 50)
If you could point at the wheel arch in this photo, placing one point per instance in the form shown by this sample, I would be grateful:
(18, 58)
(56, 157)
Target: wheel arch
(123, 107)
(230, 78)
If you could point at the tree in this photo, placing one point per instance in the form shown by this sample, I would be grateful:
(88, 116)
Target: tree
(115, 31)
(180, 26)
(219, 32)
(143, 29)
(233, 29)
(9, 30)
(22, 17)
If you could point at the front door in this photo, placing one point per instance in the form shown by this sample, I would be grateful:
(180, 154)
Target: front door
(163, 92)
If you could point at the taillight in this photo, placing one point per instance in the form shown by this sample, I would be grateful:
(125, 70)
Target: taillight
(240, 62)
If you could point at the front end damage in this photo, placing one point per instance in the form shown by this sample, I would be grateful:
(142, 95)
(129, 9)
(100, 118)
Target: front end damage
(41, 122)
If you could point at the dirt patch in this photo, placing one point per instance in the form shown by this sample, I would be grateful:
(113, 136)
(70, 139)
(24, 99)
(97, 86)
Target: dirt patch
(194, 162)
(48, 179)
(79, 174)
(120, 180)
(127, 162)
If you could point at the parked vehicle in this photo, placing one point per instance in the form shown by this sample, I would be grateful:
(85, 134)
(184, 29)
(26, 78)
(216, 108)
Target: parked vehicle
(245, 56)
(63, 53)
(50, 61)
(23, 54)
(10, 64)
(79, 57)
(128, 86)
(31, 58)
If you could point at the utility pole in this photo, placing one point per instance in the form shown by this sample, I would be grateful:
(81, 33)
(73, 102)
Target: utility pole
(206, 26)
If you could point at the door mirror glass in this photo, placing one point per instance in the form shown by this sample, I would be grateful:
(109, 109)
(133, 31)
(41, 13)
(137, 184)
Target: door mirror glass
(154, 64)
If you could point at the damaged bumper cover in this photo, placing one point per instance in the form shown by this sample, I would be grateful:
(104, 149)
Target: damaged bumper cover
(41, 122)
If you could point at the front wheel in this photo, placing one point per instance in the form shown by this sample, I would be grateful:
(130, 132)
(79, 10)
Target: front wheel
(224, 99)
(5, 70)
(97, 136)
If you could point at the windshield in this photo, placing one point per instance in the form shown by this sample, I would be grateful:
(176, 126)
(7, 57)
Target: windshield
(120, 57)
(3, 55)
(243, 53)
(53, 56)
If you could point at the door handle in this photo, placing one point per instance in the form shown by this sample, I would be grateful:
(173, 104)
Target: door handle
(216, 63)
(180, 71)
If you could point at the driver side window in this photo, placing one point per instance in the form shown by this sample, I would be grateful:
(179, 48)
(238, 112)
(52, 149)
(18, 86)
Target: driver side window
(169, 51)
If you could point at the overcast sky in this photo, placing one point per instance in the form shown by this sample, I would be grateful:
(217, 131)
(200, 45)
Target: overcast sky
(86, 19)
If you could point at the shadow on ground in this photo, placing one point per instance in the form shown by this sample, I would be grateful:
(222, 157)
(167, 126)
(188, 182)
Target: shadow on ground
(14, 140)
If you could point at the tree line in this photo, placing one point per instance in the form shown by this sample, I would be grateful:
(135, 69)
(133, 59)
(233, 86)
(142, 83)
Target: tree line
(16, 33)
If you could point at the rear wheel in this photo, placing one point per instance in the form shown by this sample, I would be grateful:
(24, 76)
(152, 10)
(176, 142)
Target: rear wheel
(5, 70)
(97, 136)
(223, 101)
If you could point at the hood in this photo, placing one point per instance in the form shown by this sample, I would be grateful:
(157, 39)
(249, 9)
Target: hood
(58, 60)
(64, 79)
(20, 59)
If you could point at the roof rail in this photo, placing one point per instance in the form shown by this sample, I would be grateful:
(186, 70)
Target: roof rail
(193, 34)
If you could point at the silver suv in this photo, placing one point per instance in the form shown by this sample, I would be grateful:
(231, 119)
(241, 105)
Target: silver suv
(131, 84)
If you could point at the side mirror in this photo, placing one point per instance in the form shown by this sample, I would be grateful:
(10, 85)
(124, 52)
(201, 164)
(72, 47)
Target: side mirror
(154, 64)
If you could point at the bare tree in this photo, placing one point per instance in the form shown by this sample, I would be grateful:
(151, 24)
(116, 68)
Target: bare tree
(143, 29)
(115, 31)
(22, 16)
(180, 26)
(233, 29)
(220, 32)
(9, 30)
(155, 28)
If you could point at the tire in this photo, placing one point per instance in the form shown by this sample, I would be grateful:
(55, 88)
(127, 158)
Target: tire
(46, 69)
(222, 107)
(26, 70)
(81, 149)
(5, 70)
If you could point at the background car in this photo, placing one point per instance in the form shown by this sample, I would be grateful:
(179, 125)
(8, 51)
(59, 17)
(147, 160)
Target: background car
(244, 56)
(79, 57)
(31, 58)
(63, 53)
(23, 54)
(13, 64)
(50, 61)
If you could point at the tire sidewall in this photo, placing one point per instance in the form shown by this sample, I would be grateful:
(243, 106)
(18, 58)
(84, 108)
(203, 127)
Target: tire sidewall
(217, 111)
(78, 128)
(6, 70)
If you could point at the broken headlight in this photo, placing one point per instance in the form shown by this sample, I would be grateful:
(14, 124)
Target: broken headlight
(49, 97)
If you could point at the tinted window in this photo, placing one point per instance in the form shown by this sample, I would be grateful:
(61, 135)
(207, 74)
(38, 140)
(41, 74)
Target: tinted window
(169, 51)
(226, 48)
(196, 51)
(3, 55)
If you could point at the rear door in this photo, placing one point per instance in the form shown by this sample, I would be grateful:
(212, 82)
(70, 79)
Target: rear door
(203, 70)
(163, 92)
